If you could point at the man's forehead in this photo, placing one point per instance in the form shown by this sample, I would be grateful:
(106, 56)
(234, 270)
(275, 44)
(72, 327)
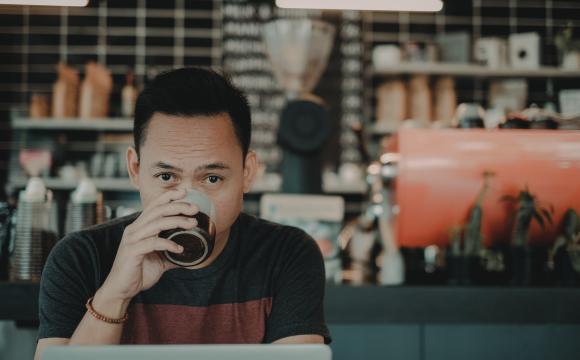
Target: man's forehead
(187, 134)
(190, 143)
(163, 121)
(190, 155)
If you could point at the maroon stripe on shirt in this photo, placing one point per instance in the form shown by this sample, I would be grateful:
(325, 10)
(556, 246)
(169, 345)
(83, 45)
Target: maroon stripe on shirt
(181, 324)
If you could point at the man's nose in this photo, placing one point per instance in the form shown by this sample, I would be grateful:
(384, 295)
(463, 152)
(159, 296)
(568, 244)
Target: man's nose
(187, 186)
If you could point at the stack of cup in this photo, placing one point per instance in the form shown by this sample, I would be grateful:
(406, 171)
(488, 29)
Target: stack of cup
(85, 207)
(36, 231)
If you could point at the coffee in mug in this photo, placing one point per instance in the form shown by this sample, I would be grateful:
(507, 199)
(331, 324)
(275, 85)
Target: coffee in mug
(198, 243)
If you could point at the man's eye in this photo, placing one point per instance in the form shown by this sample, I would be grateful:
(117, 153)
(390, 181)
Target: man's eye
(213, 179)
(165, 177)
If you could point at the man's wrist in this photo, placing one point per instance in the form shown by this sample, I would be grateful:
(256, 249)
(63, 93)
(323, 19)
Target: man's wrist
(110, 305)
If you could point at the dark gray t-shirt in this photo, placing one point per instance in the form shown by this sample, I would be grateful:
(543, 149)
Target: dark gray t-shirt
(267, 284)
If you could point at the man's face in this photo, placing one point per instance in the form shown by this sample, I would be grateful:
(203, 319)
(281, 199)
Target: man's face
(199, 152)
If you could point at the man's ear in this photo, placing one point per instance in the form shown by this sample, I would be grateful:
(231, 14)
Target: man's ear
(133, 166)
(250, 170)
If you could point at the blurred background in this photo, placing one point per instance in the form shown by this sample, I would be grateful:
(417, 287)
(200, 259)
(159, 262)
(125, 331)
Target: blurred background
(430, 147)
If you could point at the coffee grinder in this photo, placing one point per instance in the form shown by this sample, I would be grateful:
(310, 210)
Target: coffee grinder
(298, 50)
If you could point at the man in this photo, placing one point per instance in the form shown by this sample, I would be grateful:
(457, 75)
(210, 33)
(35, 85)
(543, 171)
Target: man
(110, 284)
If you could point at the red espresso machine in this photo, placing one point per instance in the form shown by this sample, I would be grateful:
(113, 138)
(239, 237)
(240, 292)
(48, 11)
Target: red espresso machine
(439, 176)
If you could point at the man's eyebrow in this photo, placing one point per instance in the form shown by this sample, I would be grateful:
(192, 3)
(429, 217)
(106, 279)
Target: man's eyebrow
(166, 166)
(204, 167)
(212, 166)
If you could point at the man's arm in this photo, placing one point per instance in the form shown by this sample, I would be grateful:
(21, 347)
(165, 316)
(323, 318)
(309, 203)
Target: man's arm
(300, 339)
(138, 265)
(297, 315)
(44, 343)
(92, 330)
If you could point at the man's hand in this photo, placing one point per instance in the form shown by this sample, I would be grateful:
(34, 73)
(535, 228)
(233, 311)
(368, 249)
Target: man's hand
(139, 263)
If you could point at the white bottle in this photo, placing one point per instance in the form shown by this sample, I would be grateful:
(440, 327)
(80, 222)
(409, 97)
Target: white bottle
(128, 96)
(445, 101)
(419, 100)
(391, 104)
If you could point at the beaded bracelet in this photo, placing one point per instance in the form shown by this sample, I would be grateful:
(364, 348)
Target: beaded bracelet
(93, 312)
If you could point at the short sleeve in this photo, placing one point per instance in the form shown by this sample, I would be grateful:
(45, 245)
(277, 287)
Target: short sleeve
(298, 291)
(68, 280)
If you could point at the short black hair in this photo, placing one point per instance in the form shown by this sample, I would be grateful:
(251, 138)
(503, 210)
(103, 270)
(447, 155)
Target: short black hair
(193, 91)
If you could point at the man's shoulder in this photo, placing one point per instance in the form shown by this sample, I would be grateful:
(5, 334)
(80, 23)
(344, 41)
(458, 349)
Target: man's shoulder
(94, 246)
(111, 227)
(107, 234)
(260, 229)
(255, 223)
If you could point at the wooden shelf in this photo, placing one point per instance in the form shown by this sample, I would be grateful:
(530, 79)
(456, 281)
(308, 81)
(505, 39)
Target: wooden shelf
(469, 70)
(121, 184)
(107, 124)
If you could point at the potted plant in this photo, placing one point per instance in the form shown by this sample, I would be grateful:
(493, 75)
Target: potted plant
(568, 48)
(467, 252)
(528, 210)
(564, 258)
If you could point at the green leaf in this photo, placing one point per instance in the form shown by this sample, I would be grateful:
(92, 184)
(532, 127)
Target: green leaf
(548, 216)
(560, 241)
(538, 218)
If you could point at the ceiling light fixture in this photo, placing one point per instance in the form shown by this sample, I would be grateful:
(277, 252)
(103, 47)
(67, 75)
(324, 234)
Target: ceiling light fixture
(46, 2)
(369, 5)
